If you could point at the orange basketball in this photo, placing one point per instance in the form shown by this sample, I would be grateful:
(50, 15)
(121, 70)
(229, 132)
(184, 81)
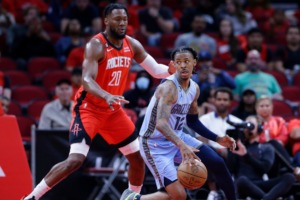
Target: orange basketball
(192, 177)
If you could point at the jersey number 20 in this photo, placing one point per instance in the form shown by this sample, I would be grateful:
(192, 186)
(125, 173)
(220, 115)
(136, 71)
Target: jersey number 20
(116, 76)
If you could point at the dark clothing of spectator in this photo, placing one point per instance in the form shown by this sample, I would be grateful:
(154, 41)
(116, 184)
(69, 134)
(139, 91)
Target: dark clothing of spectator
(241, 113)
(85, 17)
(34, 46)
(151, 22)
(290, 58)
(140, 96)
(250, 170)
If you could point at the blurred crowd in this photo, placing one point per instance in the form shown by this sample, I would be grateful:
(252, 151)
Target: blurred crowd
(249, 47)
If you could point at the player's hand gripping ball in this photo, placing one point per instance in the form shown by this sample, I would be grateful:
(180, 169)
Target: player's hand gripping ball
(192, 176)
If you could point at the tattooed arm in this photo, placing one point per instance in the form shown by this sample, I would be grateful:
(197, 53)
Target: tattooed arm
(167, 96)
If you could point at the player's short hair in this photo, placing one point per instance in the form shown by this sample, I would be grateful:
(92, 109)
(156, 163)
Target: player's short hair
(112, 6)
(224, 90)
(184, 49)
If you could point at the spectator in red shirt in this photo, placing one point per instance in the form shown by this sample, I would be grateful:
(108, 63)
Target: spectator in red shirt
(75, 58)
(294, 130)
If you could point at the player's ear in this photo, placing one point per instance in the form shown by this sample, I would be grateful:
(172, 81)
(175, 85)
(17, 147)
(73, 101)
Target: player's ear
(194, 63)
(106, 21)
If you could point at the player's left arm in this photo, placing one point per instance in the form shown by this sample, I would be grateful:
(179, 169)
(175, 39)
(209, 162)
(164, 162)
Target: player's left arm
(148, 63)
(194, 123)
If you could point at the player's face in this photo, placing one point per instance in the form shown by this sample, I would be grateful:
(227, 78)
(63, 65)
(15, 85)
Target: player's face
(117, 23)
(184, 63)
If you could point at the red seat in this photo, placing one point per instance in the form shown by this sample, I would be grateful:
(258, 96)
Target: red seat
(280, 77)
(291, 93)
(39, 65)
(34, 110)
(18, 78)
(7, 64)
(155, 52)
(167, 40)
(52, 77)
(26, 94)
(281, 108)
(25, 124)
(48, 26)
(14, 109)
(296, 80)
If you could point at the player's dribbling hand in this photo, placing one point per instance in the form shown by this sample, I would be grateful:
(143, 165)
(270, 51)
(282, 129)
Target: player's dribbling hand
(172, 68)
(115, 100)
(188, 154)
(227, 141)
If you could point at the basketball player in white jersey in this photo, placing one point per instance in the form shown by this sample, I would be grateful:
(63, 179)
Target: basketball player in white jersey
(163, 142)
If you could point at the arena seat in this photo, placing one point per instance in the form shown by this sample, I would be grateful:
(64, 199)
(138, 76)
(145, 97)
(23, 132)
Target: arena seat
(281, 108)
(280, 77)
(291, 93)
(296, 80)
(25, 124)
(14, 109)
(35, 108)
(26, 94)
(39, 65)
(50, 78)
(155, 52)
(18, 78)
(7, 64)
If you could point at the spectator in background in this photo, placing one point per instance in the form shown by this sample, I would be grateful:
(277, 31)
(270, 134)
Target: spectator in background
(275, 28)
(4, 103)
(246, 105)
(241, 20)
(253, 160)
(275, 132)
(197, 39)
(140, 96)
(262, 83)
(57, 114)
(210, 75)
(155, 20)
(75, 58)
(288, 56)
(254, 42)
(76, 80)
(206, 101)
(5, 85)
(86, 13)
(7, 19)
(228, 44)
(294, 130)
(261, 11)
(274, 126)
(35, 41)
(217, 123)
(72, 38)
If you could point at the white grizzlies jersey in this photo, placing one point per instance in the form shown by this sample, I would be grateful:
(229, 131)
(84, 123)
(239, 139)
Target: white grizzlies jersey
(178, 112)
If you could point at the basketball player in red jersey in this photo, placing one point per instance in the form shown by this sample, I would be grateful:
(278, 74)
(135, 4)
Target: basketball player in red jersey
(97, 108)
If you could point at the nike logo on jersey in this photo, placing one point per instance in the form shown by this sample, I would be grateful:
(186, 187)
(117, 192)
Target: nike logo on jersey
(108, 50)
(126, 49)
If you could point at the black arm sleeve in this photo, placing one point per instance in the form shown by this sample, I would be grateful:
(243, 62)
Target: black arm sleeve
(194, 123)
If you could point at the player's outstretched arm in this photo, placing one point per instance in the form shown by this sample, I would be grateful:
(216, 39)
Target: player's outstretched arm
(148, 63)
(167, 96)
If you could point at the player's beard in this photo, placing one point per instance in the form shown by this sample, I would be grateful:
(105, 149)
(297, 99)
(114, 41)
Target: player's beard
(116, 35)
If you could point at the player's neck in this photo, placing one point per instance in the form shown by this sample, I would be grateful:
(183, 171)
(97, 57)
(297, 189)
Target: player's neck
(184, 84)
(116, 42)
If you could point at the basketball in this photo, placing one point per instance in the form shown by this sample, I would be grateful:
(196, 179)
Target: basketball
(192, 177)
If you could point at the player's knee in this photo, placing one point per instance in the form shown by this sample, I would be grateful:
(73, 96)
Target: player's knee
(178, 195)
(73, 163)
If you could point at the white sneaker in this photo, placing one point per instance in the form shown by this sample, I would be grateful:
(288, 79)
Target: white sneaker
(213, 195)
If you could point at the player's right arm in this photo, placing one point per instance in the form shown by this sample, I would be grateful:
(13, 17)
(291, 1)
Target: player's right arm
(93, 53)
(167, 96)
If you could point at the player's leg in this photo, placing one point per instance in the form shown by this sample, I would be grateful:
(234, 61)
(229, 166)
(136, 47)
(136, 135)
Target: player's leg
(217, 166)
(80, 141)
(160, 162)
